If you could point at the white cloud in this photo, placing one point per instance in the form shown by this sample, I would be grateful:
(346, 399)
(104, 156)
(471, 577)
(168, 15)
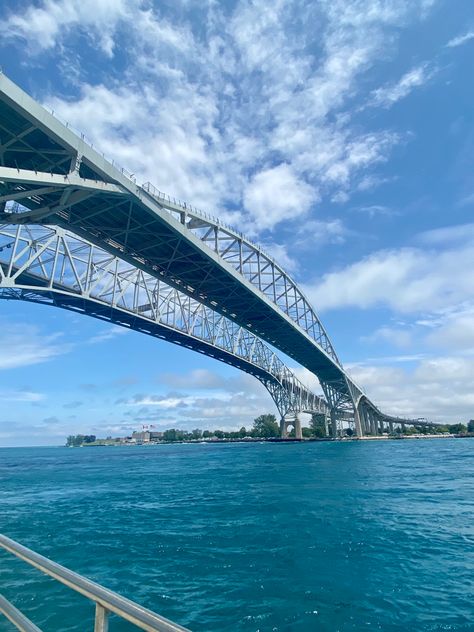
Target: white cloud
(112, 332)
(21, 396)
(316, 233)
(277, 194)
(195, 379)
(460, 39)
(369, 182)
(390, 94)
(454, 332)
(280, 253)
(448, 235)
(375, 210)
(46, 24)
(217, 402)
(170, 401)
(24, 345)
(409, 280)
(440, 388)
(198, 111)
(398, 337)
(208, 399)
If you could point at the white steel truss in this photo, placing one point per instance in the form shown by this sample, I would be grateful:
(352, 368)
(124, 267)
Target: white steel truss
(53, 176)
(46, 264)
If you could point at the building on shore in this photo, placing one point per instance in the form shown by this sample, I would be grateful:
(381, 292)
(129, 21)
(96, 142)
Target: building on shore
(146, 436)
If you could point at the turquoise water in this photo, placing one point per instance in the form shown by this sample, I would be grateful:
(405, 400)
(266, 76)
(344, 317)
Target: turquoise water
(285, 537)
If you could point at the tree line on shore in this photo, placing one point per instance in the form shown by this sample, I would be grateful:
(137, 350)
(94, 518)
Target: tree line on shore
(267, 427)
(264, 427)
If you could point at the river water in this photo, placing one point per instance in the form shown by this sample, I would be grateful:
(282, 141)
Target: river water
(270, 537)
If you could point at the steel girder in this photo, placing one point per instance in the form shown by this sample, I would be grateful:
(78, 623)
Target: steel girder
(49, 265)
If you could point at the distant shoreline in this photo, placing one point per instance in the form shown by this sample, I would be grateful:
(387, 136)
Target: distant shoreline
(276, 440)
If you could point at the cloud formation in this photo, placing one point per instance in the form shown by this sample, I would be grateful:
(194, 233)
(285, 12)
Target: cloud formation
(415, 78)
(460, 39)
(422, 391)
(23, 345)
(407, 280)
(250, 116)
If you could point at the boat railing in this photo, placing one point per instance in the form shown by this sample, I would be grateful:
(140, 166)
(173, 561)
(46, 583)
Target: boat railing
(106, 601)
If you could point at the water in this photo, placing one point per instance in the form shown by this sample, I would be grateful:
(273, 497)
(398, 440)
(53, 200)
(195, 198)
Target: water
(284, 537)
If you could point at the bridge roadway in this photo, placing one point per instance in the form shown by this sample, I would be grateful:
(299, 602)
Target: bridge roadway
(58, 178)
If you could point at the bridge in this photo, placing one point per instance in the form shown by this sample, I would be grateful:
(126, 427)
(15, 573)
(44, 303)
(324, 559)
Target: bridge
(158, 265)
(47, 265)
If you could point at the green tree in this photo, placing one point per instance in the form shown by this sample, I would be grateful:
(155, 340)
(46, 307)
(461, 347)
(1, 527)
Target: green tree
(470, 425)
(196, 433)
(77, 440)
(266, 426)
(457, 428)
(170, 435)
(317, 425)
(242, 432)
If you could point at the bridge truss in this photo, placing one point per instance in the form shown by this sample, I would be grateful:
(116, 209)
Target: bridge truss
(52, 176)
(45, 264)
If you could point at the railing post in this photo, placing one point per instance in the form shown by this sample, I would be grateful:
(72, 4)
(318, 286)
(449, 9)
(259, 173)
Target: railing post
(101, 619)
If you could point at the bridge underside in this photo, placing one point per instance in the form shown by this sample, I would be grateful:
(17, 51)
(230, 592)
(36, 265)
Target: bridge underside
(61, 180)
(48, 174)
(48, 266)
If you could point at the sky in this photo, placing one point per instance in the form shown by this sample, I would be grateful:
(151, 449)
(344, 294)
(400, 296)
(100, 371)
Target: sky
(337, 133)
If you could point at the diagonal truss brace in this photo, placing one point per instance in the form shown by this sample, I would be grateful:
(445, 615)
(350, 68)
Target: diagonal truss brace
(49, 265)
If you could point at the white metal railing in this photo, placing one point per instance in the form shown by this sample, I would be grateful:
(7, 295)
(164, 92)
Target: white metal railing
(185, 206)
(106, 601)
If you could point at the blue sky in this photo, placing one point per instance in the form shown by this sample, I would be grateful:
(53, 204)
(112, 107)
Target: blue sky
(337, 134)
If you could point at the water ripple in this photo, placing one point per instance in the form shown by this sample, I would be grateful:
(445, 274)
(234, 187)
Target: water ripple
(265, 537)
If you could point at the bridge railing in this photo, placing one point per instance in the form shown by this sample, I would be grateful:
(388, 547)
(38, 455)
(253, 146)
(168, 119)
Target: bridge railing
(106, 601)
(185, 206)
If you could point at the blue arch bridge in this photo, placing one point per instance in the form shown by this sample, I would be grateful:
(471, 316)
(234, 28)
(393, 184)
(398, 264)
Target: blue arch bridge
(78, 232)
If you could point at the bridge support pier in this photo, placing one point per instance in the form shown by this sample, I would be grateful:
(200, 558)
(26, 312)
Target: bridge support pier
(390, 426)
(358, 422)
(333, 424)
(368, 427)
(367, 422)
(291, 420)
(373, 424)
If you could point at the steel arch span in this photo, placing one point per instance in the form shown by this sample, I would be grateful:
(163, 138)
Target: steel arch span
(45, 264)
(53, 176)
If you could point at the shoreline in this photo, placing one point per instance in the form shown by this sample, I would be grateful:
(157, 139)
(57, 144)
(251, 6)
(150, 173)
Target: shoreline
(278, 440)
